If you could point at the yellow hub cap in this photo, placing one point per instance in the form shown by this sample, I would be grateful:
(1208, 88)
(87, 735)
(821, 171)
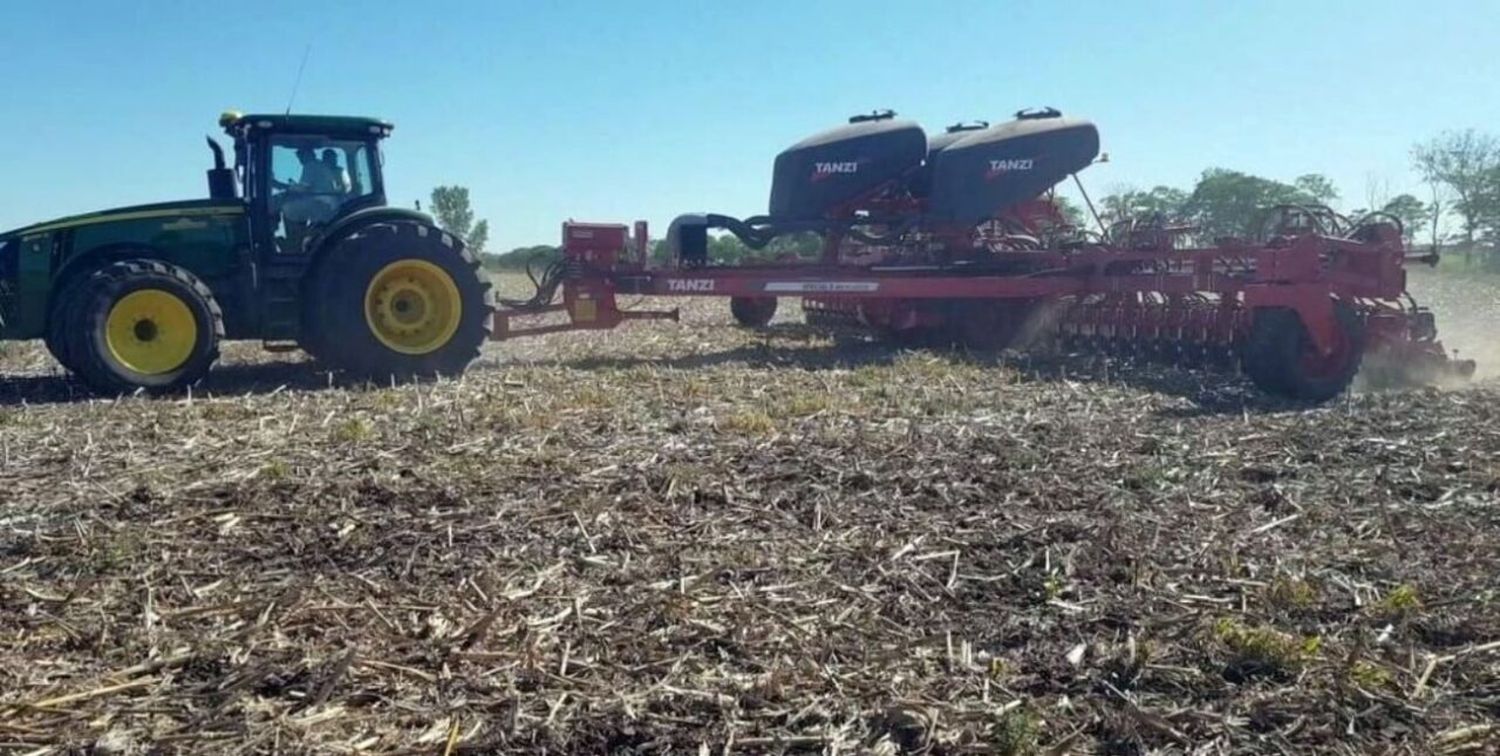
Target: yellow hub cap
(413, 306)
(151, 331)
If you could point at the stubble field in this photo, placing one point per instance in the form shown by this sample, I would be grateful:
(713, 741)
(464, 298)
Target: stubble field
(697, 538)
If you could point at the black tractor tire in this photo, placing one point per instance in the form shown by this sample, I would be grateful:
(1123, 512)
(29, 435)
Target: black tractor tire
(56, 343)
(1280, 359)
(312, 339)
(753, 312)
(396, 300)
(92, 334)
(56, 335)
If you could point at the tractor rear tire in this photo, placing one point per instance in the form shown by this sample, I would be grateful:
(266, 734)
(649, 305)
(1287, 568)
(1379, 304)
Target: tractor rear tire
(753, 312)
(139, 324)
(56, 343)
(397, 300)
(1280, 359)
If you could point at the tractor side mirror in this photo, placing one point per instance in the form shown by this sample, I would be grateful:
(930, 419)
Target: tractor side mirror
(221, 183)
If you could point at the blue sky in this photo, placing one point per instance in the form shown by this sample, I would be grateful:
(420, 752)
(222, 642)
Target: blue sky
(614, 111)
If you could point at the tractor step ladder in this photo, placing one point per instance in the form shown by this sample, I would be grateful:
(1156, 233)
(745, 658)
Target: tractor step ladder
(281, 299)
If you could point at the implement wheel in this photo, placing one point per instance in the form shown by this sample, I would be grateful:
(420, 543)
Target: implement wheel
(753, 312)
(1280, 358)
(983, 325)
(397, 300)
(138, 324)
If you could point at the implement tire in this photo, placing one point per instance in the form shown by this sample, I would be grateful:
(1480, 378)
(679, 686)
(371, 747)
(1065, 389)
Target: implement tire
(1279, 356)
(987, 325)
(396, 300)
(1264, 350)
(753, 312)
(138, 324)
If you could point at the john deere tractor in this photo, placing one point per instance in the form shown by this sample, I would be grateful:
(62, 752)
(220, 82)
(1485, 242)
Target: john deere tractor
(294, 246)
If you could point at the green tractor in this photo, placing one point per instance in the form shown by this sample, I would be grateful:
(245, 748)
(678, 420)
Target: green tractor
(294, 246)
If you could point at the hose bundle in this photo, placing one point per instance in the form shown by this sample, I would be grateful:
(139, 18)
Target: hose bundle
(546, 284)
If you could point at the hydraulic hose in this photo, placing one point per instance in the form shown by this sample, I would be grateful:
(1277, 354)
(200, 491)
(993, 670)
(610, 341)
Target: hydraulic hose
(546, 286)
(755, 232)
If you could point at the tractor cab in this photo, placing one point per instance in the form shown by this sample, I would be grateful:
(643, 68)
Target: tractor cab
(299, 174)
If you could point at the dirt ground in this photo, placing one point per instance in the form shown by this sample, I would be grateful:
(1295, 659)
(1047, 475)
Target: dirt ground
(695, 538)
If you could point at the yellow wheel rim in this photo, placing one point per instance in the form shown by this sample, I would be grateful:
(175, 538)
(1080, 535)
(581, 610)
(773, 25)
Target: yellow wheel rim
(413, 306)
(151, 331)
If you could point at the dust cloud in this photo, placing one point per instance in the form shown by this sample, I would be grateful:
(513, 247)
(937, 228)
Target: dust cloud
(1467, 308)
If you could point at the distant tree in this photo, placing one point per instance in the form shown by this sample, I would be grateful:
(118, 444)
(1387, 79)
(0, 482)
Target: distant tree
(1318, 187)
(804, 245)
(1165, 201)
(1070, 211)
(538, 255)
(1230, 203)
(1118, 205)
(1436, 209)
(450, 205)
(1489, 201)
(722, 248)
(727, 248)
(1411, 211)
(1466, 163)
(479, 236)
(1377, 192)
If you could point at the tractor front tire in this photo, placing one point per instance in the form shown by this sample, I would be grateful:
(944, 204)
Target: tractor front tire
(138, 324)
(56, 335)
(397, 300)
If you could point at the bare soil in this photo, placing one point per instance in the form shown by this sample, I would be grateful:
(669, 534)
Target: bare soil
(699, 538)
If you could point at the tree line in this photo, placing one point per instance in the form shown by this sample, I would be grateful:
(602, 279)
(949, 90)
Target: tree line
(1224, 202)
(1461, 170)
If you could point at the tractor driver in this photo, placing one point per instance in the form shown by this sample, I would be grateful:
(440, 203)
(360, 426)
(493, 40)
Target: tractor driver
(312, 199)
(308, 198)
(339, 176)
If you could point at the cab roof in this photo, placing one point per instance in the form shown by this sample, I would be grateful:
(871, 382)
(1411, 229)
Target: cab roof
(305, 124)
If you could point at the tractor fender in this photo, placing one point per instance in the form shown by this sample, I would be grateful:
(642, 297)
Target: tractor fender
(87, 262)
(231, 285)
(348, 225)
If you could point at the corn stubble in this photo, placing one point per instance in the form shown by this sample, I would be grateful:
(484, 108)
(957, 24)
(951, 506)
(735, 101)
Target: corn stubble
(670, 536)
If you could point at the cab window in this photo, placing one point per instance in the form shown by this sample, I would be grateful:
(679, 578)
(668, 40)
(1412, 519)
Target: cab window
(312, 180)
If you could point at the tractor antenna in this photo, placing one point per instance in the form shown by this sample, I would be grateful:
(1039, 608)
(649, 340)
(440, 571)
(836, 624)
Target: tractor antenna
(298, 82)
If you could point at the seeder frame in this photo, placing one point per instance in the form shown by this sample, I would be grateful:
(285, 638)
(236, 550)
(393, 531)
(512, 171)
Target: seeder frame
(1206, 298)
